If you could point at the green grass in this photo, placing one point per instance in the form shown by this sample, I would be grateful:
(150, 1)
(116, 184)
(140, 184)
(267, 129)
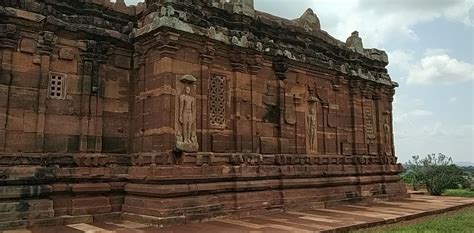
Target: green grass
(459, 221)
(459, 192)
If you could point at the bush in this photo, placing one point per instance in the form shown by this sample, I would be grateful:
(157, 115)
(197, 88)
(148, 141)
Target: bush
(437, 172)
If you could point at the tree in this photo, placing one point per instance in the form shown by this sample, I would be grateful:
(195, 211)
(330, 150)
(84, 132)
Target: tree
(437, 172)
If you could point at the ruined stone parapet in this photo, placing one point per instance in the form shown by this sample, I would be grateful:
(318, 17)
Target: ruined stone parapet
(300, 40)
(102, 18)
(117, 5)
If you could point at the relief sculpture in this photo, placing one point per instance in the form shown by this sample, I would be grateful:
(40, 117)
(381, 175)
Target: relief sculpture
(186, 139)
(388, 137)
(312, 127)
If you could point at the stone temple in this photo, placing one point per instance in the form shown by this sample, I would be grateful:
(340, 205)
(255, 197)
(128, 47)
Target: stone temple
(178, 111)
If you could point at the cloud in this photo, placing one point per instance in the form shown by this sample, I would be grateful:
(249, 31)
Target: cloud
(438, 67)
(383, 20)
(411, 114)
(377, 21)
(453, 99)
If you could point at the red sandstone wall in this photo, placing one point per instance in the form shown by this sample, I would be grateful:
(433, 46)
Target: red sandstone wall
(79, 122)
(265, 111)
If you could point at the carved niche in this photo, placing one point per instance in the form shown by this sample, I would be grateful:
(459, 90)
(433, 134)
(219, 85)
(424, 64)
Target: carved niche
(186, 139)
(217, 87)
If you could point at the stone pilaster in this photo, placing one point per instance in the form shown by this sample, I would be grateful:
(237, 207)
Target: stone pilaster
(93, 69)
(280, 67)
(379, 119)
(207, 58)
(86, 72)
(237, 68)
(355, 97)
(161, 89)
(255, 64)
(9, 36)
(46, 43)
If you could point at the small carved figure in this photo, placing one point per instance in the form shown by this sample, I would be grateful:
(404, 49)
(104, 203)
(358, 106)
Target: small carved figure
(235, 40)
(244, 42)
(355, 42)
(211, 32)
(312, 127)
(388, 137)
(187, 114)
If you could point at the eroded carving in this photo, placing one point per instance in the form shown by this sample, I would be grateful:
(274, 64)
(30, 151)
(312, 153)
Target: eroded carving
(355, 42)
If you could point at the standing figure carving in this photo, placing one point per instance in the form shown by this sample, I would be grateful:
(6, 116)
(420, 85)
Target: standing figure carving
(312, 127)
(187, 105)
(388, 137)
(186, 139)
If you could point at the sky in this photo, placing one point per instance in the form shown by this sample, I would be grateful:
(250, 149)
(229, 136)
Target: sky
(430, 44)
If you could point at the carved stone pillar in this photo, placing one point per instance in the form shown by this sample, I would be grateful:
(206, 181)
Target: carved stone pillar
(46, 43)
(9, 37)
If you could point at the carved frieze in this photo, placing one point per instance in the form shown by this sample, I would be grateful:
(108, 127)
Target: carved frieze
(91, 160)
(369, 119)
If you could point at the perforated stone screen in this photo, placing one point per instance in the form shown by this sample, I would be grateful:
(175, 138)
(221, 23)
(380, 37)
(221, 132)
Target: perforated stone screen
(57, 83)
(217, 86)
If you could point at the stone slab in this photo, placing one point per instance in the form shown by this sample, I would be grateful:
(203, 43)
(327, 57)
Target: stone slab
(334, 219)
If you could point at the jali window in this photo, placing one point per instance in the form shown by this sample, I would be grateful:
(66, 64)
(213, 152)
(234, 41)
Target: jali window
(217, 87)
(57, 84)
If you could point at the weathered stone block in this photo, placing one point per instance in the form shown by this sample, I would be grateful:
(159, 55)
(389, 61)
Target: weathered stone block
(269, 145)
(123, 62)
(28, 46)
(66, 53)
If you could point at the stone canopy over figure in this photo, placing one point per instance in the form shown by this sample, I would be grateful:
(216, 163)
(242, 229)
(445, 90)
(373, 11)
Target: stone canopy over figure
(186, 138)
